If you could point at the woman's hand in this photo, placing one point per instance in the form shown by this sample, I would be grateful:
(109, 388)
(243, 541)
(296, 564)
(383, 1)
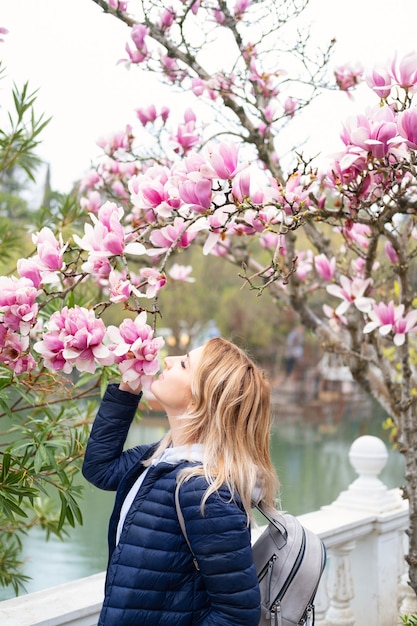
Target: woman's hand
(126, 387)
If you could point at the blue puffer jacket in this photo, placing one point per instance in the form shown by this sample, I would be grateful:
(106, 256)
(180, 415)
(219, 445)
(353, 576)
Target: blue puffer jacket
(151, 579)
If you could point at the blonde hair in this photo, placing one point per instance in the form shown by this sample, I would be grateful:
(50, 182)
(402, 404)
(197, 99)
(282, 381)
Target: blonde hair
(230, 415)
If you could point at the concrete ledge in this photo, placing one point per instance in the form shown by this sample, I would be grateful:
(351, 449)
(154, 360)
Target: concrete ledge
(78, 602)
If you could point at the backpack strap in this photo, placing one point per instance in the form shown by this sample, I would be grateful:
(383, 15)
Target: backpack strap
(182, 524)
(280, 526)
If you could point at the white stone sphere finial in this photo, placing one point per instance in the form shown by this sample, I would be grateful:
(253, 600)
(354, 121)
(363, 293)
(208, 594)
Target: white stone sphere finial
(368, 456)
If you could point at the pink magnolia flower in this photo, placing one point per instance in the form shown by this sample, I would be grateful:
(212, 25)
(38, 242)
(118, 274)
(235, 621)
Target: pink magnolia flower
(74, 338)
(336, 320)
(351, 292)
(219, 17)
(181, 273)
(271, 241)
(404, 71)
(290, 107)
(121, 140)
(358, 267)
(391, 252)
(92, 202)
(199, 87)
(98, 266)
(295, 195)
(374, 132)
(348, 77)
(185, 138)
(120, 5)
(147, 114)
(138, 34)
(304, 264)
(136, 350)
(171, 236)
(388, 318)
(347, 166)
(404, 324)
(155, 190)
(107, 236)
(358, 233)
(216, 224)
(91, 180)
(50, 250)
(240, 8)
(14, 351)
(325, 268)
(29, 268)
(18, 307)
(120, 287)
(166, 18)
(380, 82)
(154, 281)
(224, 159)
(407, 126)
(197, 195)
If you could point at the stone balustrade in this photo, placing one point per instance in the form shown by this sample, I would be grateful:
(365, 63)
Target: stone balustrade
(365, 580)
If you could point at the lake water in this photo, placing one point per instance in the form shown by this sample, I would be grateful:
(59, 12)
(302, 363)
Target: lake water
(311, 458)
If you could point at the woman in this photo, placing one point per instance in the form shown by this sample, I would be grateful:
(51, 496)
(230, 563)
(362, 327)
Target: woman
(217, 449)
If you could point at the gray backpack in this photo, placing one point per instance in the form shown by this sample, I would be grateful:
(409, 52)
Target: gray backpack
(289, 561)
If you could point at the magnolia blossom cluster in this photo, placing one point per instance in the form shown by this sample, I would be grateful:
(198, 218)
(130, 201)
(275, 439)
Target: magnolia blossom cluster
(379, 139)
(75, 338)
(18, 314)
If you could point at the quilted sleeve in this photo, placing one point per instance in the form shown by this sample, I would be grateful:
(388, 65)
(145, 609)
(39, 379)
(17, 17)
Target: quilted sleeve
(105, 463)
(221, 542)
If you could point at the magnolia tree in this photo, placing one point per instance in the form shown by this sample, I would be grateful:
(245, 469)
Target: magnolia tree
(337, 244)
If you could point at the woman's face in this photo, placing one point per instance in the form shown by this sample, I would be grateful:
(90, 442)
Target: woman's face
(173, 386)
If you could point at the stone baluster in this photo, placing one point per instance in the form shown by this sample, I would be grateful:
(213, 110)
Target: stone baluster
(406, 595)
(321, 602)
(375, 563)
(340, 586)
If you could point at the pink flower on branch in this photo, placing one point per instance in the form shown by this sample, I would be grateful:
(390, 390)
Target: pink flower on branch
(224, 159)
(50, 250)
(391, 252)
(407, 127)
(373, 133)
(107, 237)
(351, 292)
(152, 279)
(138, 34)
(348, 77)
(43, 267)
(119, 5)
(388, 318)
(155, 190)
(172, 236)
(336, 320)
(325, 268)
(135, 350)
(181, 273)
(120, 286)
(18, 307)
(74, 338)
(404, 71)
(380, 82)
(196, 195)
(14, 351)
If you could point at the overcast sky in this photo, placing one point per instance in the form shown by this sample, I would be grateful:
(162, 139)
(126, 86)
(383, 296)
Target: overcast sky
(69, 49)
